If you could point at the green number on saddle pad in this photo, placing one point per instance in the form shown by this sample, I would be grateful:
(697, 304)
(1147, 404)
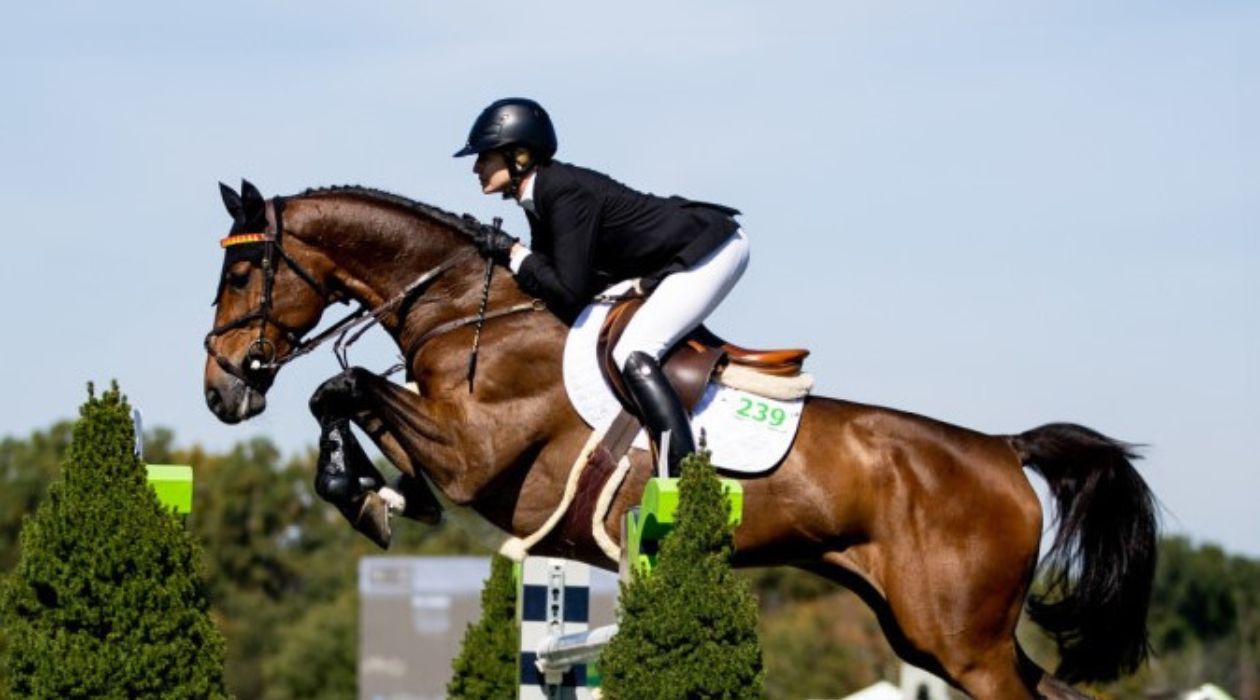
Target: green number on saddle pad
(763, 413)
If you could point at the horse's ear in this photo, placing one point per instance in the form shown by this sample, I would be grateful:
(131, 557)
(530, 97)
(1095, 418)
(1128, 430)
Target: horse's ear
(232, 201)
(254, 204)
(250, 195)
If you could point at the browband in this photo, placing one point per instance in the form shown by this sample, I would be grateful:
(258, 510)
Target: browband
(243, 238)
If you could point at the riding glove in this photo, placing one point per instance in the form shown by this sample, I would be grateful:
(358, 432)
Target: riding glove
(493, 243)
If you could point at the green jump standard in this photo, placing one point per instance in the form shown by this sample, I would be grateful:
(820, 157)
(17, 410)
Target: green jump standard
(173, 484)
(646, 525)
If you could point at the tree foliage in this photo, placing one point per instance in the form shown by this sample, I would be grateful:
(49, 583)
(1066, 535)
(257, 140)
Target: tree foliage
(688, 629)
(488, 662)
(282, 565)
(105, 600)
(26, 469)
(318, 659)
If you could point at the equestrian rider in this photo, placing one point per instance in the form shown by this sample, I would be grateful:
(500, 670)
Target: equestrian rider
(589, 231)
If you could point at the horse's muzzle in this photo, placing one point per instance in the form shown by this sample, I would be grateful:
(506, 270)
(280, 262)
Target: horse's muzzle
(233, 401)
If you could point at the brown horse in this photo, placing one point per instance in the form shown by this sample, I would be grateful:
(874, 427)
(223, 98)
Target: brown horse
(934, 525)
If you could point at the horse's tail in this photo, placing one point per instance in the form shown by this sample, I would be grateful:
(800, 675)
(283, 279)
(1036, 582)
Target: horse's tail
(1096, 584)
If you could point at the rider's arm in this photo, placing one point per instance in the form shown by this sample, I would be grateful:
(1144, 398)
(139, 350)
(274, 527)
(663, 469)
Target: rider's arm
(565, 276)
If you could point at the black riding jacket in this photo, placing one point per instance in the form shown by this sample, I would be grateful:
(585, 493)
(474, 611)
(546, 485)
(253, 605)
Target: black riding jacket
(589, 231)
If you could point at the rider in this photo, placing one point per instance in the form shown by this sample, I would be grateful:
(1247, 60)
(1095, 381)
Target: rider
(588, 231)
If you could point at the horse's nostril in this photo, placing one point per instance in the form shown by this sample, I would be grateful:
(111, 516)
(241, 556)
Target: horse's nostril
(213, 400)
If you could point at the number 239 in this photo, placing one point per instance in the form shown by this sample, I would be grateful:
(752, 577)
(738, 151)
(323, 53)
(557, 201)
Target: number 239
(761, 412)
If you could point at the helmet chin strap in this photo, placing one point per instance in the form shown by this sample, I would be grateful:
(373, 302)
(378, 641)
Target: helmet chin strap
(516, 173)
(513, 187)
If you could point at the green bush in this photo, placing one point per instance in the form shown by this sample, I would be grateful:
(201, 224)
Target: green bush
(688, 629)
(105, 600)
(487, 666)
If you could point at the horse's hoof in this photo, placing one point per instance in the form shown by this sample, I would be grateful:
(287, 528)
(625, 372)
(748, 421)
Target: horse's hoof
(373, 520)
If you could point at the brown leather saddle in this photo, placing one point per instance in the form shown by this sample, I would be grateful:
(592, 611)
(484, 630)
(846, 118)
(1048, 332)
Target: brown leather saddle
(691, 362)
(689, 365)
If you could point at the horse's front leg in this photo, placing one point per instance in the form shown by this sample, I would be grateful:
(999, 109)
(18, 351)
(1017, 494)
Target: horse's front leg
(346, 477)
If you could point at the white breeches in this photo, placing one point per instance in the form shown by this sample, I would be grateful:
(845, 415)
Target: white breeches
(683, 300)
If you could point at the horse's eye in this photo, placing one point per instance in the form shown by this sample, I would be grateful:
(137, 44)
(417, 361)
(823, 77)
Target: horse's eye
(237, 278)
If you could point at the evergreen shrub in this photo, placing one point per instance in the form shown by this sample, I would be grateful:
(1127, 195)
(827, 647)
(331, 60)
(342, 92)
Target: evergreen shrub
(106, 600)
(487, 666)
(689, 628)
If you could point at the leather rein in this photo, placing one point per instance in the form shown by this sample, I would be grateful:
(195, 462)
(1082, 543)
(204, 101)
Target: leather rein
(261, 356)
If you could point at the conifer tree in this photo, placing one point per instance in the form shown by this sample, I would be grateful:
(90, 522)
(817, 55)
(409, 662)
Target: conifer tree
(689, 628)
(105, 600)
(488, 665)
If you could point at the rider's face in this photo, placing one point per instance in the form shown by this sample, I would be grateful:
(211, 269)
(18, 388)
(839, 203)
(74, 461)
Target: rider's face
(491, 170)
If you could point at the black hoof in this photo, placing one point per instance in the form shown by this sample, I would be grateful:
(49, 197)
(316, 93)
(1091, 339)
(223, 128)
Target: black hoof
(370, 517)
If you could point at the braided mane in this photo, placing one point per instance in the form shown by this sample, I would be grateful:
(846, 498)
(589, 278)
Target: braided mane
(465, 223)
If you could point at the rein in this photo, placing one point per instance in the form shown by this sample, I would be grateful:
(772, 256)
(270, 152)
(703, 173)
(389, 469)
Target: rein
(261, 354)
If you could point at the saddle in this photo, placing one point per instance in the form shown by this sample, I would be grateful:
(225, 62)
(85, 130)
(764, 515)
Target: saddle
(693, 361)
(698, 358)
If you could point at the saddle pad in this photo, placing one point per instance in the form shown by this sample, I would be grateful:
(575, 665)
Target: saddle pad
(746, 433)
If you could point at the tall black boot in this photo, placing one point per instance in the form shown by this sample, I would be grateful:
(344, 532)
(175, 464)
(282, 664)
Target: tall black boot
(659, 407)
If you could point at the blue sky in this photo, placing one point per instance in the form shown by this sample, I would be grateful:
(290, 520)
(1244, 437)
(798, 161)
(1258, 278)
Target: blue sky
(998, 214)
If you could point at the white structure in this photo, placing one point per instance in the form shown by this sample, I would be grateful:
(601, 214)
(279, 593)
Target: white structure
(915, 684)
(882, 690)
(557, 644)
(1207, 691)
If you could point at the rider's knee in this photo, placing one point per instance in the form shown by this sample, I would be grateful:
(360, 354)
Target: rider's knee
(624, 351)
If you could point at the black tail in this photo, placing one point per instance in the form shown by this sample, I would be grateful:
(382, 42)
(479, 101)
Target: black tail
(1098, 573)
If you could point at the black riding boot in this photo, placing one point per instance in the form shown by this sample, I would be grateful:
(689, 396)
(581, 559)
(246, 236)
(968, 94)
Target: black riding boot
(659, 407)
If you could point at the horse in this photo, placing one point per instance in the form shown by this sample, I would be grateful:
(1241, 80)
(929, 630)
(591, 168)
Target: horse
(935, 526)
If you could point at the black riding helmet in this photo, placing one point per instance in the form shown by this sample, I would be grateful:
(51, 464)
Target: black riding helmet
(514, 121)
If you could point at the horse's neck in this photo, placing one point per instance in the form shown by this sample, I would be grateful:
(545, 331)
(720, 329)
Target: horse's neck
(519, 378)
(378, 251)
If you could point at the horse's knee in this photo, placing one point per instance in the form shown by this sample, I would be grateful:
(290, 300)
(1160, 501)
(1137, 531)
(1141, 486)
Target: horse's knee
(338, 397)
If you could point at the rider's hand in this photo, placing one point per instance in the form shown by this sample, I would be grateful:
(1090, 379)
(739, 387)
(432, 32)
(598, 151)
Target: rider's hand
(493, 243)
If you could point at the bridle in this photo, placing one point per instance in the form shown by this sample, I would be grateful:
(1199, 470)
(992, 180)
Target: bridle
(261, 355)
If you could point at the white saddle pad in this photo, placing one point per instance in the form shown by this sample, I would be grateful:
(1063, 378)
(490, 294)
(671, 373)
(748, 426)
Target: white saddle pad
(745, 432)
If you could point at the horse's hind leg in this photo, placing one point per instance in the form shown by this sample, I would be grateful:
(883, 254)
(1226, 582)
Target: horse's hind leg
(974, 648)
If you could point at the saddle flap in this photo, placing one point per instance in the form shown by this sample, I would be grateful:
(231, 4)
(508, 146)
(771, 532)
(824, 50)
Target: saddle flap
(688, 365)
